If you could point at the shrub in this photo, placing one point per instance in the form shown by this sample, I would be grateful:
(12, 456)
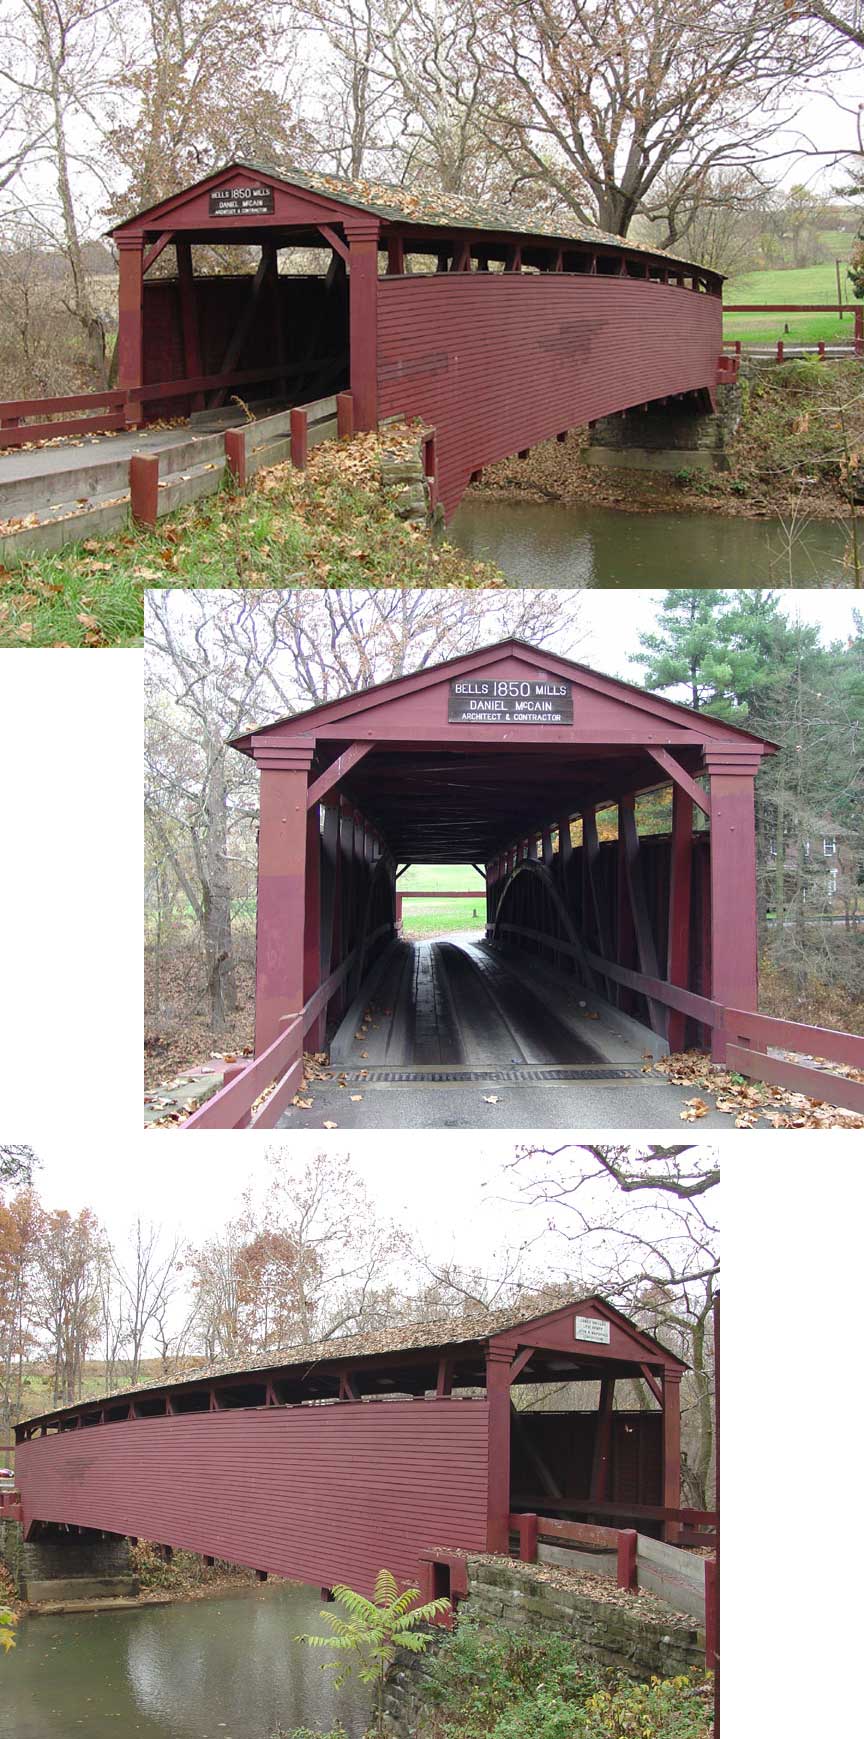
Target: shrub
(504, 1685)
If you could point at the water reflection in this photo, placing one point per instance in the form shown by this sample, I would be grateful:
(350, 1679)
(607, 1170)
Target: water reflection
(550, 544)
(209, 1669)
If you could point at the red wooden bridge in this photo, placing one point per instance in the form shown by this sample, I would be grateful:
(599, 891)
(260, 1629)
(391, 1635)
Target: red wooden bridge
(496, 333)
(503, 760)
(325, 1462)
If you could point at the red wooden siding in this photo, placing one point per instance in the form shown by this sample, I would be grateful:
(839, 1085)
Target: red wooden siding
(499, 361)
(321, 1494)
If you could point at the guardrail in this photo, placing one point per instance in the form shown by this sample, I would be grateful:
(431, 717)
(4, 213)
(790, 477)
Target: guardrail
(278, 1071)
(745, 1034)
(640, 1561)
(856, 348)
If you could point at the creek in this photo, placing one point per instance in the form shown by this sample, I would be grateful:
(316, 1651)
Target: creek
(226, 1667)
(553, 544)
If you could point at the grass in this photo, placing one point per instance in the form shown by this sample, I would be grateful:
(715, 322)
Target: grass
(434, 917)
(789, 284)
(334, 524)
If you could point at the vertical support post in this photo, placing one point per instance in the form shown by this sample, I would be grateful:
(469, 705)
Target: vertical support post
(189, 318)
(299, 439)
(602, 1441)
(344, 415)
(395, 255)
(362, 237)
(628, 836)
(281, 886)
(235, 456)
(232, 1070)
(130, 321)
(312, 923)
(859, 331)
(712, 1616)
(680, 880)
(546, 847)
(144, 488)
(527, 1529)
(498, 1488)
(734, 947)
(671, 1449)
(270, 255)
(627, 1571)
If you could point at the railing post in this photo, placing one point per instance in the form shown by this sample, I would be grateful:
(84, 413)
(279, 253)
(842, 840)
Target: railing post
(627, 1570)
(821, 349)
(344, 415)
(712, 1617)
(859, 332)
(526, 1528)
(779, 350)
(299, 439)
(235, 456)
(144, 488)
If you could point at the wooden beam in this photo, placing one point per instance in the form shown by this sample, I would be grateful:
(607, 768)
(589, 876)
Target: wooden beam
(244, 326)
(549, 1483)
(444, 1383)
(653, 1383)
(332, 239)
(153, 253)
(680, 883)
(645, 943)
(520, 1362)
(602, 1440)
(681, 779)
(336, 771)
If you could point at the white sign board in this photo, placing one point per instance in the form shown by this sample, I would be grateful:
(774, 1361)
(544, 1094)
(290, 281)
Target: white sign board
(590, 1328)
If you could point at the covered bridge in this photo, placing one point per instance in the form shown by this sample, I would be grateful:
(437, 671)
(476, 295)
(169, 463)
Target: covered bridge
(326, 1462)
(502, 759)
(496, 332)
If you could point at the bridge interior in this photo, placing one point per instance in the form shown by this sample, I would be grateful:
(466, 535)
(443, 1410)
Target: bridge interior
(504, 997)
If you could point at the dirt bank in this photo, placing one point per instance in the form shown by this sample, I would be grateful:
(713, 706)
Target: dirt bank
(790, 457)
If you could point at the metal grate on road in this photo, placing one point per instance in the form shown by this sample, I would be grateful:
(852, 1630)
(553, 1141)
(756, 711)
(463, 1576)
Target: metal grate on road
(519, 1074)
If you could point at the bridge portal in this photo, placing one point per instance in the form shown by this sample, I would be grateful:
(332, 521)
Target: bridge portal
(530, 767)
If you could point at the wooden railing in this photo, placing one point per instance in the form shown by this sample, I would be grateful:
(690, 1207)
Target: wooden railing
(280, 1067)
(838, 308)
(634, 1551)
(121, 406)
(746, 1034)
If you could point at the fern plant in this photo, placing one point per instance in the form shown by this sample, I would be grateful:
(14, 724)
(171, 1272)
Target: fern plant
(373, 1631)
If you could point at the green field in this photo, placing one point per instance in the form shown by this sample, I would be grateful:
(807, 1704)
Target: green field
(434, 917)
(790, 284)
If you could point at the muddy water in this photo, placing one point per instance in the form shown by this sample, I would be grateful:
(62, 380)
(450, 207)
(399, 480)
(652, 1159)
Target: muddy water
(551, 544)
(226, 1668)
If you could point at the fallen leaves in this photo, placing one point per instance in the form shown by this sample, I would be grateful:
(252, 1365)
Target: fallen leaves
(750, 1103)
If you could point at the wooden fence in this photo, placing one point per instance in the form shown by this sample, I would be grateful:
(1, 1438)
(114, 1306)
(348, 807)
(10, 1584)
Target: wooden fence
(856, 348)
(685, 1582)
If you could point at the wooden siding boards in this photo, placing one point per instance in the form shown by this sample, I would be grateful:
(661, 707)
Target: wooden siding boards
(498, 362)
(318, 1494)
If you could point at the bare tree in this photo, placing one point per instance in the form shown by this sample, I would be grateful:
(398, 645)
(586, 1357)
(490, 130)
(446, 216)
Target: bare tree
(612, 108)
(53, 56)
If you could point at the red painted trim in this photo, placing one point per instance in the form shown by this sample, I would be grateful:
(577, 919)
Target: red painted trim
(299, 439)
(235, 456)
(344, 416)
(627, 1570)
